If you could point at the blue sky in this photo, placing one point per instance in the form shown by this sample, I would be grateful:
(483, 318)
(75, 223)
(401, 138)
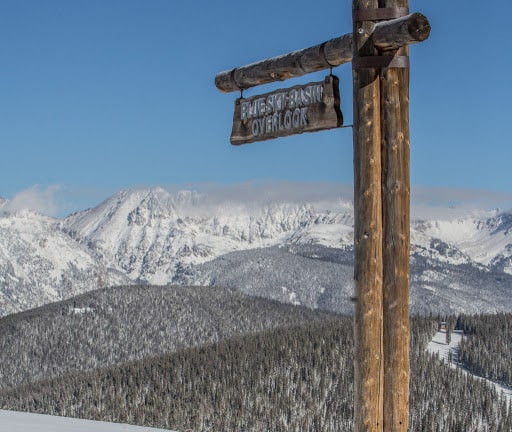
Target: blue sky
(100, 95)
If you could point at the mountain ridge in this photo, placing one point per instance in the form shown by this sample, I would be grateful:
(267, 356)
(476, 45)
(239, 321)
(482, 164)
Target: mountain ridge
(150, 236)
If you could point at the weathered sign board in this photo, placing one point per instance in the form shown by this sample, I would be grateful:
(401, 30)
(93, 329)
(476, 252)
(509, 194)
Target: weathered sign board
(304, 108)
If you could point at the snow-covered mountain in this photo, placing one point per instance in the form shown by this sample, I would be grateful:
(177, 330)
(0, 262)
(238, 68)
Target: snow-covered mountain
(146, 233)
(152, 236)
(39, 263)
(149, 234)
(486, 240)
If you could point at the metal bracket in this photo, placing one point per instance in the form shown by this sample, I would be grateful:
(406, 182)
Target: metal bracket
(368, 62)
(322, 53)
(233, 79)
(379, 14)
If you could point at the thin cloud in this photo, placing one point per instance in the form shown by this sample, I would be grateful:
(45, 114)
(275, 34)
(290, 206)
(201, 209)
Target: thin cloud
(426, 202)
(453, 203)
(211, 198)
(252, 196)
(43, 201)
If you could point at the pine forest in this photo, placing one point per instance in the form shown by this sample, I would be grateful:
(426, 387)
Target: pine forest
(288, 370)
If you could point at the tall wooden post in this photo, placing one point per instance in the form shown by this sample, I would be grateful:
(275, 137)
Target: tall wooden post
(368, 385)
(378, 49)
(394, 84)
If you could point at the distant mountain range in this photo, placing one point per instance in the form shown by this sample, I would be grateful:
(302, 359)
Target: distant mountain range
(289, 252)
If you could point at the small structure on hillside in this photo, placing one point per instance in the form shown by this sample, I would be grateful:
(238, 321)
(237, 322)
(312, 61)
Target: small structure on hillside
(442, 326)
(80, 310)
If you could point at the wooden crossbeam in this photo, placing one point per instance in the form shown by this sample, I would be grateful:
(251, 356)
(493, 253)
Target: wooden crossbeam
(385, 35)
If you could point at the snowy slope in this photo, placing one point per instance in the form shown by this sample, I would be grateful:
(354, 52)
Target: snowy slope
(439, 346)
(149, 234)
(13, 421)
(152, 236)
(484, 239)
(321, 277)
(39, 263)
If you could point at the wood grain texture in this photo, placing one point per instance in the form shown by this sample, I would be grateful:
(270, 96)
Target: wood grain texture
(400, 32)
(394, 88)
(369, 362)
(386, 35)
(332, 53)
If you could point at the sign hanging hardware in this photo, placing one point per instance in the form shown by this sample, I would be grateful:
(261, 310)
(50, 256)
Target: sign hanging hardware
(326, 61)
(233, 79)
(367, 62)
(379, 14)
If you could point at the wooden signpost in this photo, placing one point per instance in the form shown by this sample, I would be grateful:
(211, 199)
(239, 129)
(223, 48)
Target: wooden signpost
(378, 48)
(306, 108)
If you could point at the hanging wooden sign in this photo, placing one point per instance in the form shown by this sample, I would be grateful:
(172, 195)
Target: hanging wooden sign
(305, 108)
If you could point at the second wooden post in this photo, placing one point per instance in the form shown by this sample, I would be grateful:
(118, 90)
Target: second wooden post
(394, 88)
(382, 218)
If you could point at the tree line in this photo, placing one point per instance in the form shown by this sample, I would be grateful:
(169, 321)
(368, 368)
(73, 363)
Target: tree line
(487, 349)
(112, 326)
(297, 378)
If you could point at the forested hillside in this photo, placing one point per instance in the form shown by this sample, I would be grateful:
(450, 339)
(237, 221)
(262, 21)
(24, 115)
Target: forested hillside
(487, 349)
(289, 379)
(114, 325)
(323, 277)
(312, 275)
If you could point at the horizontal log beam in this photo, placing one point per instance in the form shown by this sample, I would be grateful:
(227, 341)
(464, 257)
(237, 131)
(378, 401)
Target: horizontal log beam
(394, 34)
(323, 56)
(387, 35)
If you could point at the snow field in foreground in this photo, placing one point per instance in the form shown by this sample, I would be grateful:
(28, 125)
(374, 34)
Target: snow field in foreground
(12, 421)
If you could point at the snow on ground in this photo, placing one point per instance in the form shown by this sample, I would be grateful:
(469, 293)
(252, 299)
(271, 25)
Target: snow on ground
(13, 421)
(473, 235)
(438, 345)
